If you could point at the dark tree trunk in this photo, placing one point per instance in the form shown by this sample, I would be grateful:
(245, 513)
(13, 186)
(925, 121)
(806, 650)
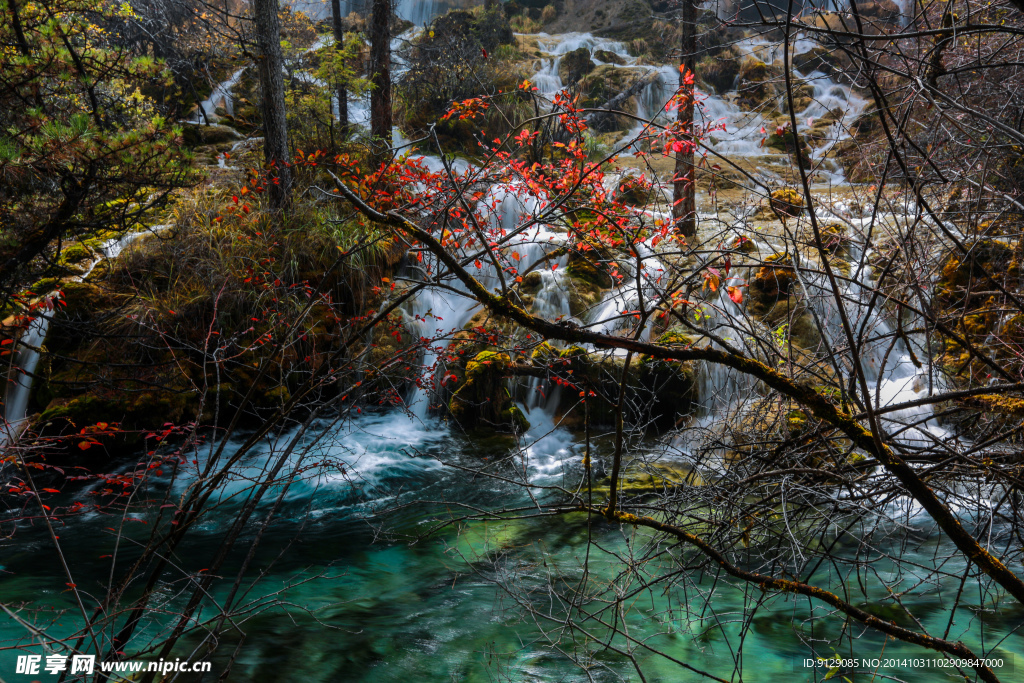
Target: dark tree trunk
(684, 186)
(380, 71)
(339, 43)
(275, 126)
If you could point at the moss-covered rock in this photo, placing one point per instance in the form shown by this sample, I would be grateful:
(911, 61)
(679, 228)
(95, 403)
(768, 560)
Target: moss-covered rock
(635, 190)
(483, 401)
(194, 135)
(755, 88)
(983, 257)
(787, 202)
(677, 336)
(609, 57)
(720, 72)
(820, 59)
(575, 65)
(773, 281)
(834, 236)
(784, 139)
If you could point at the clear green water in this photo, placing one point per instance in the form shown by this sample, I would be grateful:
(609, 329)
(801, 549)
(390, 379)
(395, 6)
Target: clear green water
(366, 606)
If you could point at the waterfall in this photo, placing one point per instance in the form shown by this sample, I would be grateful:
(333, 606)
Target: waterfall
(435, 314)
(886, 360)
(419, 12)
(19, 381)
(26, 357)
(737, 132)
(221, 96)
(609, 317)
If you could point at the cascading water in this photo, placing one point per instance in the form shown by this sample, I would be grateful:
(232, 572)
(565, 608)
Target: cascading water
(893, 365)
(20, 377)
(19, 381)
(419, 12)
(736, 132)
(221, 97)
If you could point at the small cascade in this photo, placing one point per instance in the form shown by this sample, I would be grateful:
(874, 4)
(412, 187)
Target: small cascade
(886, 360)
(419, 12)
(724, 394)
(220, 97)
(547, 79)
(18, 387)
(18, 384)
(614, 313)
(435, 314)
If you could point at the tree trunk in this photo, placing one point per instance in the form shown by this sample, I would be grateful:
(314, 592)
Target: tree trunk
(339, 44)
(380, 71)
(275, 126)
(684, 186)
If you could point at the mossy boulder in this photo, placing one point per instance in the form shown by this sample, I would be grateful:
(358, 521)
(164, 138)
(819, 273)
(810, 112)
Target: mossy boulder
(605, 82)
(885, 11)
(785, 139)
(639, 478)
(77, 257)
(834, 236)
(588, 277)
(774, 280)
(483, 402)
(635, 190)
(609, 57)
(983, 258)
(672, 386)
(659, 390)
(820, 59)
(787, 202)
(575, 65)
(194, 135)
(677, 336)
(755, 88)
(720, 72)
(531, 283)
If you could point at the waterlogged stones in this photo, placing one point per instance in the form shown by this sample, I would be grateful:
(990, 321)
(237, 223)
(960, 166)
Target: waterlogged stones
(787, 141)
(198, 135)
(609, 57)
(754, 89)
(774, 280)
(635, 190)
(820, 59)
(983, 257)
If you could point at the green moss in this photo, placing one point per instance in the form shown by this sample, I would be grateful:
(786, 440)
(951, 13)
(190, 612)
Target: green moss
(544, 353)
(76, 253)
(676, 335)
(482, 402)
(572, 352)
